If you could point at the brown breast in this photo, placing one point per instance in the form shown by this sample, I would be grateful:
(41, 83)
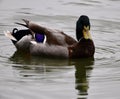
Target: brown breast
(84, 48)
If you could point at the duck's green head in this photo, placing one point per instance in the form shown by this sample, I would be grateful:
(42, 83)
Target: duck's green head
(83, 28)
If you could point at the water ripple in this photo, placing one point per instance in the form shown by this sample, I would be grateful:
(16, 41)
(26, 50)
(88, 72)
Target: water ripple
(27, 77)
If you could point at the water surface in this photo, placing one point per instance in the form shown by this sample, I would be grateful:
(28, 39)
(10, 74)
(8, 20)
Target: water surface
(25, 77)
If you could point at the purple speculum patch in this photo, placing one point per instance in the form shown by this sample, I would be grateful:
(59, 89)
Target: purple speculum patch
(39, 37)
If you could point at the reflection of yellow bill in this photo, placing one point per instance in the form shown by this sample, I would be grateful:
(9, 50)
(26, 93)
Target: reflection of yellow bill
(9, 35)
(86, 33)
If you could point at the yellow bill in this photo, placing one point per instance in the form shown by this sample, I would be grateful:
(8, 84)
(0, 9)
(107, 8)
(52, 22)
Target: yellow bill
(86, 33)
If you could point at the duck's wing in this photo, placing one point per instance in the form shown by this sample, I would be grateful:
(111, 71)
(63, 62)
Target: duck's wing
(53, 36)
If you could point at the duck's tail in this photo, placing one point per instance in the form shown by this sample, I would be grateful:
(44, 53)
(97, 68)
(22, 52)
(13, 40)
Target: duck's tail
(26, 23)
(9, 35)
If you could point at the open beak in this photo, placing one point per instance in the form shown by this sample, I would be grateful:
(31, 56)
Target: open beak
(86, 32)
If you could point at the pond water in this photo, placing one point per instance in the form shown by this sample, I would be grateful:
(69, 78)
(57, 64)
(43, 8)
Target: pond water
(24, 77)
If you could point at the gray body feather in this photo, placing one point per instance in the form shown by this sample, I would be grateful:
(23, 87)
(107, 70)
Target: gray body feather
(24, 43)
(49, 50)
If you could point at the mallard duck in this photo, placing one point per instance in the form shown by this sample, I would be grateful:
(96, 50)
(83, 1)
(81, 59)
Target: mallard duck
(58, 44)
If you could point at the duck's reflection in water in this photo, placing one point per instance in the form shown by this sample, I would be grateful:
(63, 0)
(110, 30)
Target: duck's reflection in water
(83, 69)
(26, 59)
(37, 65)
